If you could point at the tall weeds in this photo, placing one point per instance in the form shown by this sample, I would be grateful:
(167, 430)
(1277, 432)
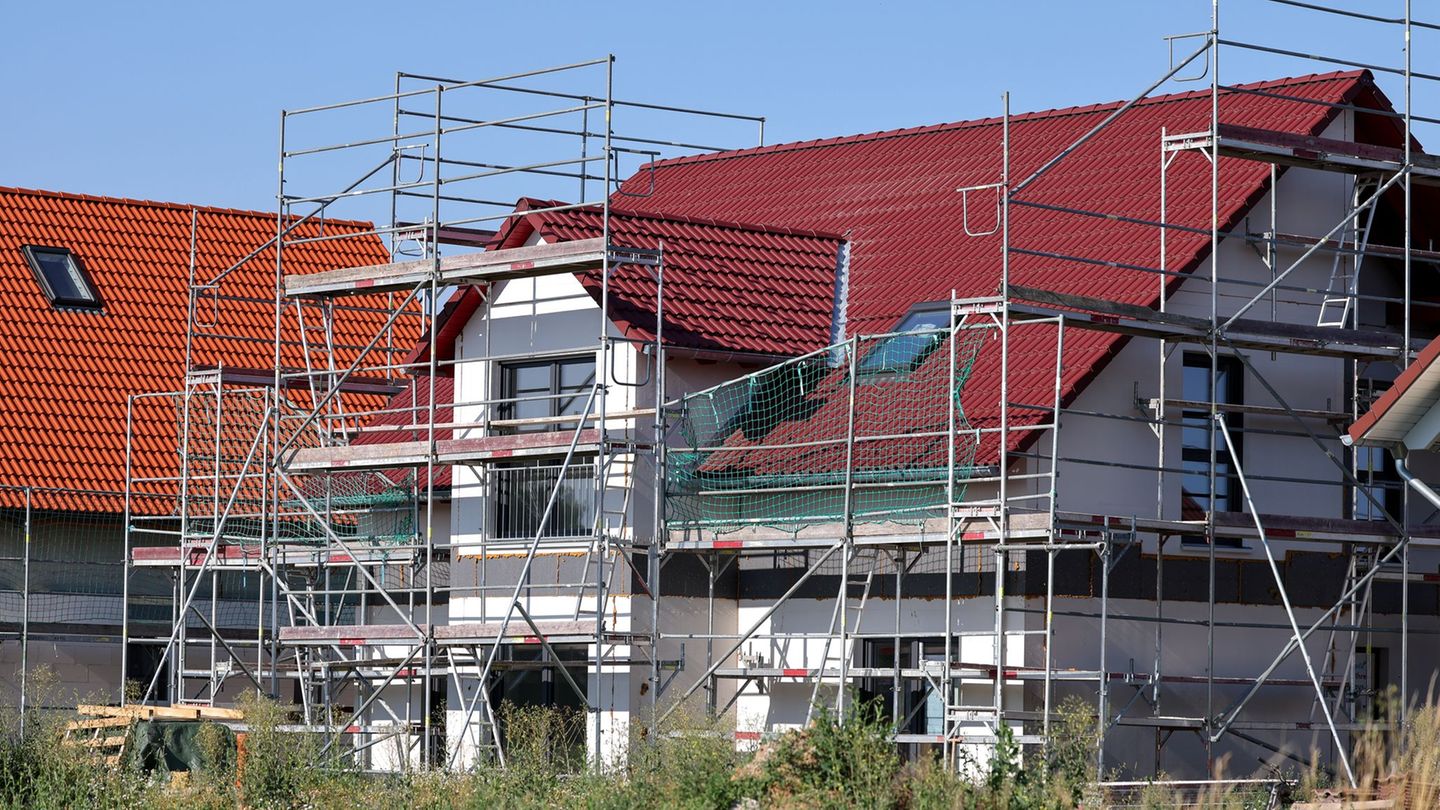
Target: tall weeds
(689, 764)
(37, 771)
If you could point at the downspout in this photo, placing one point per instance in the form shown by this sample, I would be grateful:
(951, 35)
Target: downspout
(1399, 452)
(840, 302)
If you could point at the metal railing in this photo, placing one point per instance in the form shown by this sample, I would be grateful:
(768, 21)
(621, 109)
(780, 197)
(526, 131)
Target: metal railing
(521, 493)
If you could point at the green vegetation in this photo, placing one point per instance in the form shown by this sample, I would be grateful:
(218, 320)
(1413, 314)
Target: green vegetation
(831, 764)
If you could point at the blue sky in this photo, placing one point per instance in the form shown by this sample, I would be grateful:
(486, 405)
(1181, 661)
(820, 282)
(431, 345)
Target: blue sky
(180, 101)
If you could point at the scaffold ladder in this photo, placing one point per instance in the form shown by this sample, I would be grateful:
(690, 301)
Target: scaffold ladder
(1345, 266)
(844, 621)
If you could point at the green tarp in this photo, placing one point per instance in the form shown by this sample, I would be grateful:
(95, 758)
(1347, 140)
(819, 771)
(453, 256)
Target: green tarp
(174, 745)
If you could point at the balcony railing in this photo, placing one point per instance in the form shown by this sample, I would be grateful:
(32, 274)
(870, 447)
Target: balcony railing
(521, 493)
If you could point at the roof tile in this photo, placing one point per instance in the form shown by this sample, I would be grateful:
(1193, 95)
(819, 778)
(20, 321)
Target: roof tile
(721, 277)
(68, 374)
(893, 194)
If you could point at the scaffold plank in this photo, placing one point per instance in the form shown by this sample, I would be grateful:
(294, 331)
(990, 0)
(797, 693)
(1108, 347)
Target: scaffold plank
(176, 712)
(456, 634)
(468, 450)
(1388, 251)
(230, 555)
(1257, 410)
(1138, 321)
(467, 268)
(1035, 527)
(556, 632)
(353, 635)
(1306, 151)
(972, 671)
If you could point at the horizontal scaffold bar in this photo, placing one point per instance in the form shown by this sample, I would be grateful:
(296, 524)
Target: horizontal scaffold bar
(470, 450)
(459, 634)
(1307, 151)
(467, 268)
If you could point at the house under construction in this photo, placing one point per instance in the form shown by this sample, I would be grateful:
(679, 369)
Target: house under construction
(964, 420)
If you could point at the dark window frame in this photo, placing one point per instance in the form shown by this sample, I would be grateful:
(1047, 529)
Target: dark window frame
(557, 404)
(1383, 482)
(1230, 373)
(520, 496)
(91, 300)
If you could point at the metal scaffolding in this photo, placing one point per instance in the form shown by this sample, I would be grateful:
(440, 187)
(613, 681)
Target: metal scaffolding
(328, 484)
(320, 481)
(1009, 526)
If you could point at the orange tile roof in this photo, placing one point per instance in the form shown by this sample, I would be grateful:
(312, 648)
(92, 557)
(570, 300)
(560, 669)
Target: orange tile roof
(67, 373)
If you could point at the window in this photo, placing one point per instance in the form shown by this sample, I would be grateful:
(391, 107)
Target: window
(142, 661)
(540, 390)
(917, 337)
(1197, 433)
(533, 679)
(545, 388)
(61, 277)
(921, 701)
(1374, 467)
(1375, 470)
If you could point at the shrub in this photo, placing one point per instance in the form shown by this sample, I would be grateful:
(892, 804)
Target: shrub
(691, 765)
(278, 769)
(832, 763)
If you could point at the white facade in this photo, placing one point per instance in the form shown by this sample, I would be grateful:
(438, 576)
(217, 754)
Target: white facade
(531, 318)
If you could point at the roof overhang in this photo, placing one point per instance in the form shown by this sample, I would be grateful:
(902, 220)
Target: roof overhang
(1408, 415)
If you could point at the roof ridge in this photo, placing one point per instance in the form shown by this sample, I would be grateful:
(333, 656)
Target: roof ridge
(178, 206)
(925, 129)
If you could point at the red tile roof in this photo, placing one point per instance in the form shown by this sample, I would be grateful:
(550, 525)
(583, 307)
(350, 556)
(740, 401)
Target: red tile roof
(728, 287)
(67, 374)
(900, 424)
(894, 196)
(1403, 404)
(405, 412)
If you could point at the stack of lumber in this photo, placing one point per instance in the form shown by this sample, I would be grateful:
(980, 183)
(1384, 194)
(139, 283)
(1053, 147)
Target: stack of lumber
(105, 730)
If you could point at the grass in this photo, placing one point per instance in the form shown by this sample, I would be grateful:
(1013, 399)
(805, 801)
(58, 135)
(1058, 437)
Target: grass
(831, 764)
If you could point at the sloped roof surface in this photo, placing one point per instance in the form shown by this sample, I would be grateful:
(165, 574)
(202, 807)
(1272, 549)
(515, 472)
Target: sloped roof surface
(728, 287)
(406, 413)
(1404, 404)
(894, 194)
(68, 372)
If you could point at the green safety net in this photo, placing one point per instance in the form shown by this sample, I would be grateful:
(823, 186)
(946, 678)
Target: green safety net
(873, 428)
(226, 484)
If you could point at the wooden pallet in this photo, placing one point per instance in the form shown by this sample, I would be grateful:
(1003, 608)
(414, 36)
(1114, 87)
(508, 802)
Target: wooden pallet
(105, 730)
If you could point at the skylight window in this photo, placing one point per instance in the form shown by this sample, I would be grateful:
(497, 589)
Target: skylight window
(61, 277)
(917, 335)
